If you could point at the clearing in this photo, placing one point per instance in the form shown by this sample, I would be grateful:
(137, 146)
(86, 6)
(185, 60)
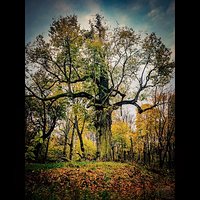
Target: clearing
(97, 181)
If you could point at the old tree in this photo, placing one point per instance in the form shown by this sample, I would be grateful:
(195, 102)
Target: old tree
(107, 68)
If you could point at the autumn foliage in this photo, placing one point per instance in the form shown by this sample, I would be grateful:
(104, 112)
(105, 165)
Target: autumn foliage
(90, 180)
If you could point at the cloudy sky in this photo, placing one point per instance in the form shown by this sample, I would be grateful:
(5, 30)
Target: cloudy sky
(143, 15)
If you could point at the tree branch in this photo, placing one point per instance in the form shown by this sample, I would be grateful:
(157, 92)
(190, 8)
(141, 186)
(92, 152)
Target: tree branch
(69, 94)
(141, 79)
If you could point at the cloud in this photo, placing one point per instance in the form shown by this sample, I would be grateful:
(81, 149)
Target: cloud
(83, 20)
(63, 6)
(78, 6)
(161, 13)
(173, 44)
(123, 20)
(173, 52)
(156, 15)
(93, 6)
(84, 9)
(154, 3)
(136, 7)
(153, 13)
(171, 8)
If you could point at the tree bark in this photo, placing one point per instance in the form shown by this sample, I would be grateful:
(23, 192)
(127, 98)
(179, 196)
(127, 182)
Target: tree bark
(139, 157)
(103, 135)
(131, 150)
(65, 146)
(113, 153)
(66, 133)
(46, 150)
(72, 144)
(144, 153)
(160, 158)
(37, 152)
(80, 136)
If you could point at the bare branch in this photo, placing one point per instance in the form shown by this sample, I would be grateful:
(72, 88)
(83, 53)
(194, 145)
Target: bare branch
(141, 79)
(117, 92)
(69, 94)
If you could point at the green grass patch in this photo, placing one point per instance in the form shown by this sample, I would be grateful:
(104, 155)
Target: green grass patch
(106, 165)
(92, 165)
(46, 166)
(39, 166)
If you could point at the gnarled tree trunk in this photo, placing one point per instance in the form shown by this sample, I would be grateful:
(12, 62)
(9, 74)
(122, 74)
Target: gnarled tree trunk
(103, 135)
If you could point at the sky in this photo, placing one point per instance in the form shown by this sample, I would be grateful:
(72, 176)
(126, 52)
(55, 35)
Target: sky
(142, 15)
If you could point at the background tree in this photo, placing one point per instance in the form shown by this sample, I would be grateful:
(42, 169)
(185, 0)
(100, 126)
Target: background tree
(155, 133)
(65, 127)
(120, 140)
(43, 114)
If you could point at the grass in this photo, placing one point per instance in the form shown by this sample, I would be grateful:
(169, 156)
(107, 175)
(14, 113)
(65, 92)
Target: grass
(92, 165)
(39, 167)
(46, 166)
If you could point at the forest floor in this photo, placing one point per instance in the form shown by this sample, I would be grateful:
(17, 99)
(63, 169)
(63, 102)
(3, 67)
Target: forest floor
(97, 181)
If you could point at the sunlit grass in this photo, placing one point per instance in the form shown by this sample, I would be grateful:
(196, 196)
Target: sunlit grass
(92, 165)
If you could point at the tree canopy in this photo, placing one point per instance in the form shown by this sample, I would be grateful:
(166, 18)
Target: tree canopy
(106, 67)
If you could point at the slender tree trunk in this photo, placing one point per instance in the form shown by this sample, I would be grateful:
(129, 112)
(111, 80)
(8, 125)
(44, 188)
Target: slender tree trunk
(144, 153)
(131, 150)
(169, 159)
(173, 154)
(38, 148)
(149, 153)
(160, 158)
(37, 152)
(72, 144)
(82, 145)
(149, 157)
(46, 150)
(139, 157)
(164, 158)
(125, 155)
(153, 157)
(65, 146)
(80, 136)
(113, 153)
(66, 132)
